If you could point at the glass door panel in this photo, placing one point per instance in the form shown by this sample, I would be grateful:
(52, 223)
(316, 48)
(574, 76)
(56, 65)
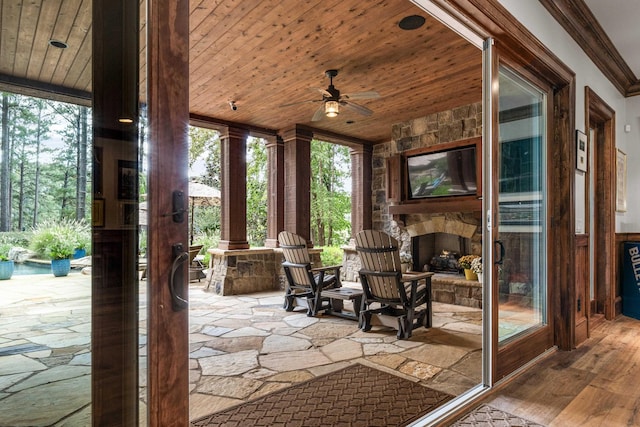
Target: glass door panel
(520, 240)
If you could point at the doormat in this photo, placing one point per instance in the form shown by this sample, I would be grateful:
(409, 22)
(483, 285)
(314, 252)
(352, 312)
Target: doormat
(353, 396)
(486, 416)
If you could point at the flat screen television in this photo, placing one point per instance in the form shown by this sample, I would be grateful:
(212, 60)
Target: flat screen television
(444, 173)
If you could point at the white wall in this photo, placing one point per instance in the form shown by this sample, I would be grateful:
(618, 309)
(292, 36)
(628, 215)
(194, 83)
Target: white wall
(536, 18)
(630, 144)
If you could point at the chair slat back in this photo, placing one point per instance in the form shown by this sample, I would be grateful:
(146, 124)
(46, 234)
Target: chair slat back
(193, 252)
(379, 252)
(294, 250)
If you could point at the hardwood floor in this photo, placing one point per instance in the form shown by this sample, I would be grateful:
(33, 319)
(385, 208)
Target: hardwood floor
(597, 384)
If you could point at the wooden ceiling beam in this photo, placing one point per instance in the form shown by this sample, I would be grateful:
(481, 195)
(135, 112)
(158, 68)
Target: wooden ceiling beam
(44, 90)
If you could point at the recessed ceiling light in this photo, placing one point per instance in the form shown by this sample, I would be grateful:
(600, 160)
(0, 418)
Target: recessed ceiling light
(59, 44)
(411, 22)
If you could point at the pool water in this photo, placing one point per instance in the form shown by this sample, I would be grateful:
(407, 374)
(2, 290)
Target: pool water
(21, 268)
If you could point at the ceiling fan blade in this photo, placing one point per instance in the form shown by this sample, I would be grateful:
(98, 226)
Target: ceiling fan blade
(300, 102)
(361, 95)
(324, 92)
(357, 108)
(319, 114)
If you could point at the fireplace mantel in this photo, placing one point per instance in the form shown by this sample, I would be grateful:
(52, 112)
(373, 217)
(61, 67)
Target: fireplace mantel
(461, 204)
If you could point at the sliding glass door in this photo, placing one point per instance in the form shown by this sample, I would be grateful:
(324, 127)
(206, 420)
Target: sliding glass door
(519, 238)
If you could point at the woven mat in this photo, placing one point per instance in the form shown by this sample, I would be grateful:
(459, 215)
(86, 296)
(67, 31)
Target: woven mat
(486, 416)
(354, 396)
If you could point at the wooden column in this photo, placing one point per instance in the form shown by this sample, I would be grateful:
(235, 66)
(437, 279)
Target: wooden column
(233, 213)
(297, 181)
(275, 190)
(361, 205)
(168, 115)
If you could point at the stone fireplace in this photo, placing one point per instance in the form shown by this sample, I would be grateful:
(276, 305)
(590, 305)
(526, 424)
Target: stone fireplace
(433, 236)
(425, 235)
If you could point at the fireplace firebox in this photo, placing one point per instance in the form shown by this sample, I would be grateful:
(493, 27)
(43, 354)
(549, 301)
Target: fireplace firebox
(439, 252)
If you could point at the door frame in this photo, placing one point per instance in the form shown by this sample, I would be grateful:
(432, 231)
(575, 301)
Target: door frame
(519, 45)
(517, 353)
(600, 116)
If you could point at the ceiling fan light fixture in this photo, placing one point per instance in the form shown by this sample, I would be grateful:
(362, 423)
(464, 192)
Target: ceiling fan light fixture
(331, 108)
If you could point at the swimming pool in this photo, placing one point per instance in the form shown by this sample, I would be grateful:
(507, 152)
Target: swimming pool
(21, 268)
(30, 267)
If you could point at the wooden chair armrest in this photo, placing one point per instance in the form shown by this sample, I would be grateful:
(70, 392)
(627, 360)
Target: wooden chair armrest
(410, 277)
(327, 268)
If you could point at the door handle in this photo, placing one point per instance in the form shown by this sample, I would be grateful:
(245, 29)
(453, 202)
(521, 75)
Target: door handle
(500, 245)
(178, 302)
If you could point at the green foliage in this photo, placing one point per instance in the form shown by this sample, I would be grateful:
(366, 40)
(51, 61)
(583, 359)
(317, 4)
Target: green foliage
(331, 255)
(58, 239)
(207, 241)
(330, 200)
(16, 238)
(206, 220)
(43, 136)
(142, 242)
(204, 146)
(82, 235)
(4, 251)
(256, 192)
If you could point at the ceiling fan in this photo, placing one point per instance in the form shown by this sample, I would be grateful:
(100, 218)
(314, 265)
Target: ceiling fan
(332, 100)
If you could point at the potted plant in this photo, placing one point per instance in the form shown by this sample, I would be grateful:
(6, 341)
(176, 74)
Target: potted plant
(55, 241)
(465, 262)
(406, 259)
(60, 250)
(6, 265)
(476, 267)
(82, 239)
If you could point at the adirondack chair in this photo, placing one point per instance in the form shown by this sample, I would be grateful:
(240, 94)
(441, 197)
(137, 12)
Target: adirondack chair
(401, 301)
(303, 281)
(196, 268)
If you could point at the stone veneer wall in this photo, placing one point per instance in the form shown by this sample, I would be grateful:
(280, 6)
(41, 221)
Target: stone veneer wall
(439, 128)
(236, 272)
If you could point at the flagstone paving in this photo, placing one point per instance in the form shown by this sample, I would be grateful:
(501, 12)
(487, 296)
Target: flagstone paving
(240, 348)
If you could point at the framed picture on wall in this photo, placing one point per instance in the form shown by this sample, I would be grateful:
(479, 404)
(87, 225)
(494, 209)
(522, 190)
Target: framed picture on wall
(621, 181)
(97, 170)
(581, 151)
(127, 180)
(128, 215)
(97, 213)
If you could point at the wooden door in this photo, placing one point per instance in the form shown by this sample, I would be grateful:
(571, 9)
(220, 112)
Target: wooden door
(168, 119)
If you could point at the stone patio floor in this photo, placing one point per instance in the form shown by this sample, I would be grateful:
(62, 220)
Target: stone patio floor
(241, 347)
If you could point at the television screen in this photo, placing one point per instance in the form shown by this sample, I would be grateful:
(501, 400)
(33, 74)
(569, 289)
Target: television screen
(443, 173)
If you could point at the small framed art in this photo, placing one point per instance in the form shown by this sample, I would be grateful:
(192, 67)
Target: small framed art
(581, 151)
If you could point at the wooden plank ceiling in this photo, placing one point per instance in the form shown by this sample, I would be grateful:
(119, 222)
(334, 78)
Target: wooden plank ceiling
(263, 54)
